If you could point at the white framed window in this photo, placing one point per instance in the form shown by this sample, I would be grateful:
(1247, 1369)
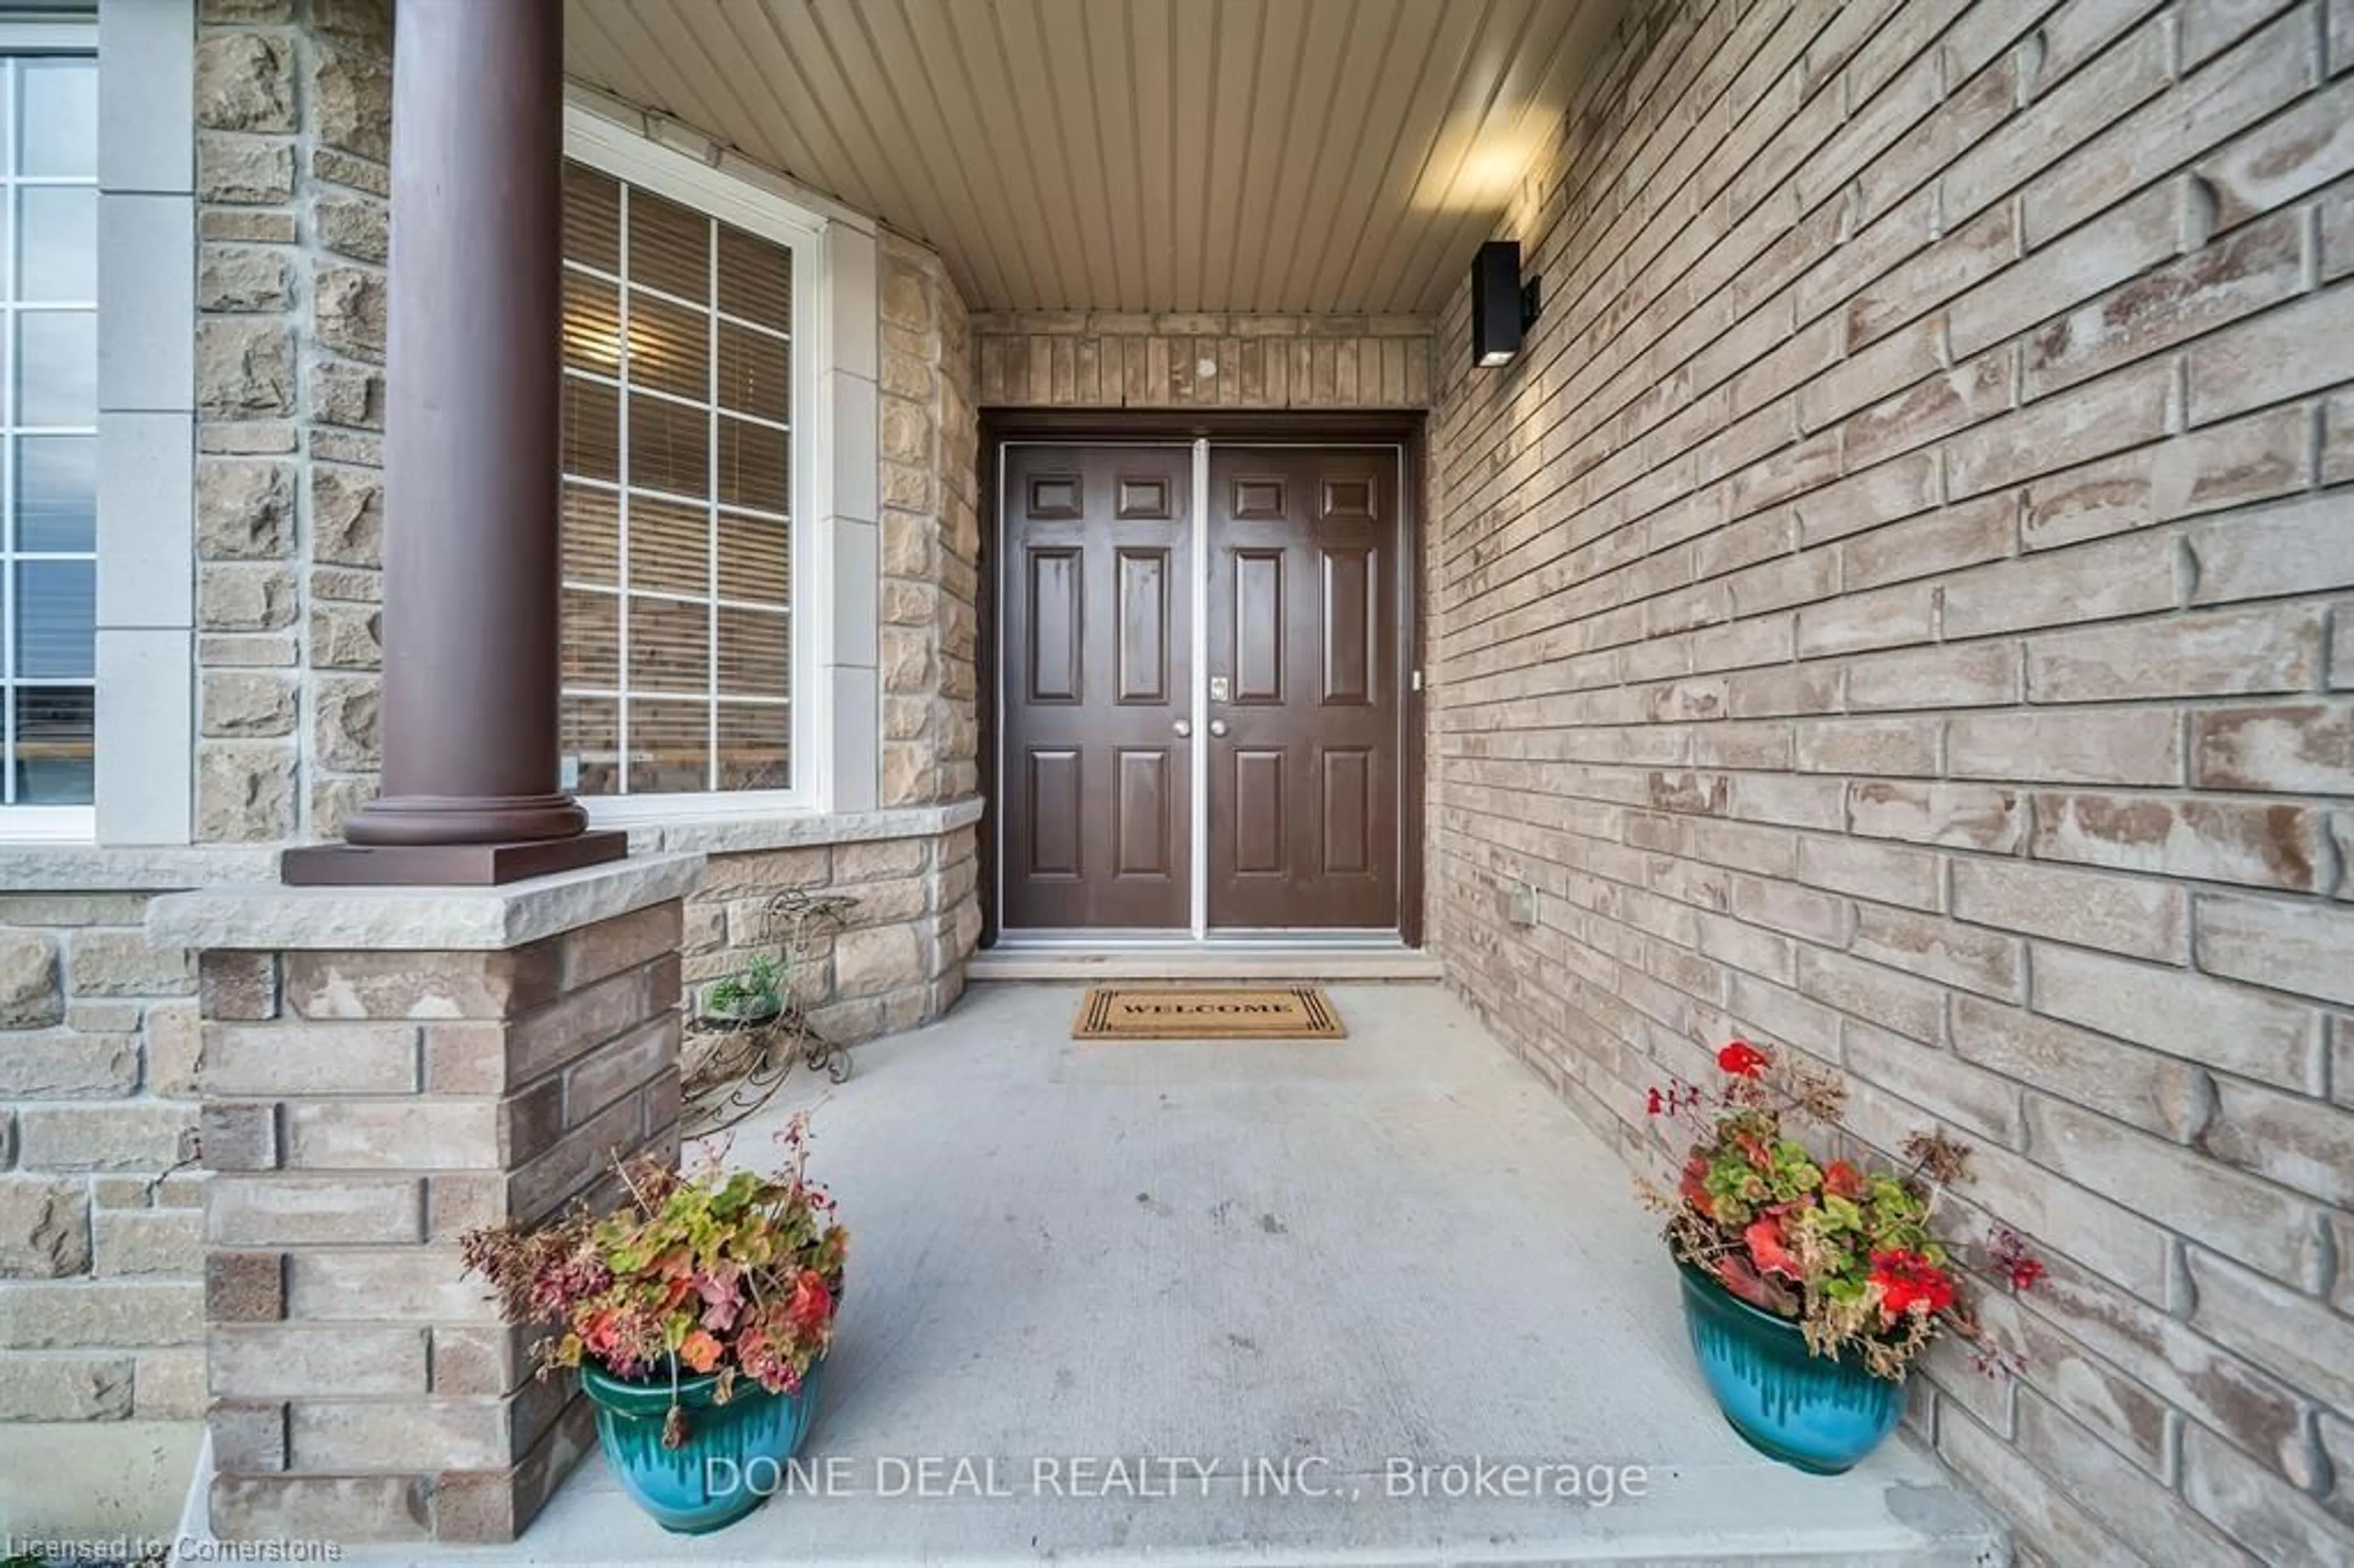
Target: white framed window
(691, 309)
(48, 430)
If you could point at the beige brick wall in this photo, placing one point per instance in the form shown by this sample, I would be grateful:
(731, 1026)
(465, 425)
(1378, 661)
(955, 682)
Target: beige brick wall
(1902, 607)
(363, 1111)
(1103, 360)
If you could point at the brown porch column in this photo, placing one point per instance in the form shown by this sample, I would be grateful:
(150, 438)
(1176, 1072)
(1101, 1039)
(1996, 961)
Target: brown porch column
(471, 566)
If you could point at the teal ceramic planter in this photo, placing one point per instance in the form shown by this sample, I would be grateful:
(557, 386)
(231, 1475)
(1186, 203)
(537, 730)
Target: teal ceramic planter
(734, 1453)
(1817, 1414)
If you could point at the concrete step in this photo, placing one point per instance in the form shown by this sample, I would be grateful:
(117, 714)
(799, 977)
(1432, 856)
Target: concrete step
(1898, 1511)
(1207, 962)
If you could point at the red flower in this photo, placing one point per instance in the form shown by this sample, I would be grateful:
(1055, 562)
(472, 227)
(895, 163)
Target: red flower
(1906, 1280)
(1743, 1060)
(1763, 1237)
(812, 1306)
(1841, 1180)
(2024, 1272)
(1652, 1104)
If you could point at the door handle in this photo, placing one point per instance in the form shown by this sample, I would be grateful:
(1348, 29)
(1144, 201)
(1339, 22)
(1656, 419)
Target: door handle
(1217, 726)
(1185, 728)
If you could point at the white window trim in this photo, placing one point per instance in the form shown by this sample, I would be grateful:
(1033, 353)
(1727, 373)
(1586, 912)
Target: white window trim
(54, 824)
(618, 150)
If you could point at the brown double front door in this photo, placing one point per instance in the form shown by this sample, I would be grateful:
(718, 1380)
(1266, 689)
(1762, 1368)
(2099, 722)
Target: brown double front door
(1199, 671)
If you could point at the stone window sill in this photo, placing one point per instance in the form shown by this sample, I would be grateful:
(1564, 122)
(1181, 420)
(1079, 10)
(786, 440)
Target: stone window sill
(747, 832)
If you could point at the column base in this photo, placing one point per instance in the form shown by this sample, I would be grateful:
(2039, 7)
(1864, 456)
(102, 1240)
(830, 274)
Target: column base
(445, 865)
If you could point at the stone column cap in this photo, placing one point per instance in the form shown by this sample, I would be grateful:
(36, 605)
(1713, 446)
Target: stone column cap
(418, 919)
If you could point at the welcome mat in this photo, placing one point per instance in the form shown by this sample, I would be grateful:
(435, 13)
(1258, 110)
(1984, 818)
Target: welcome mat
(1208, 1013)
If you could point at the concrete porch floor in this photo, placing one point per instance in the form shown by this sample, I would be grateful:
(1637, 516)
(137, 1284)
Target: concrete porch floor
(1398, 1245)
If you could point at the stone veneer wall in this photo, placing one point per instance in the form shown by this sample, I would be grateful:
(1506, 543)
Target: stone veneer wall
(1898, 608)
(1105, 360)
(897, 957)
(930, 440)
(295, 125)
(101, 1224)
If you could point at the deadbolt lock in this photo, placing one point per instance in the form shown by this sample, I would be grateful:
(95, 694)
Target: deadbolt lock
(1220, 688)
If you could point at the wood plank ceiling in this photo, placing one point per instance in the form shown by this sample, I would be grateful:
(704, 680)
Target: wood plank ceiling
(1227, 156)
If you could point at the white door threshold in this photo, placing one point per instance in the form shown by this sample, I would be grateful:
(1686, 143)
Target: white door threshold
(1253, 960)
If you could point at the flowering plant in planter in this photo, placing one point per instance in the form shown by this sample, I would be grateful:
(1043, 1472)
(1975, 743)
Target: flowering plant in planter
(712, 1292)
(1844, 1253)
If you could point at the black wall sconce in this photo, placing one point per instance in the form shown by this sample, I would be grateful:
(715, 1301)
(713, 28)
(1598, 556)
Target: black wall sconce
(1502, 308)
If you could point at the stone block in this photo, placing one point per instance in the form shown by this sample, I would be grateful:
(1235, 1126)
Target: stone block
(347, 713)
(421, 1134)
(873, 961)
(175, 1045)
(352, 225)
(169, 1385)
(30, 994)
(244, 370)
(102, 1314)
(290, 1361)
(239, 598)
(245, 81)
(244, 1286)
(350, 93)
(347, 637)
(245, 170)
(134, 1243)
(244, 510)
(347, 516)
(332, 1436)
(238, 1135)
(292, 1211)
(101, 961)
(236, 986)
(51, 1064)
(249, 1438)
(247, 704)
(279, 1059)
(131, 1135)
(67, 1388)
(245, 793)
(477, 985)
(386, 1284)
(45, 1228)
(322, 1508)
(610, 947)
(237, 277)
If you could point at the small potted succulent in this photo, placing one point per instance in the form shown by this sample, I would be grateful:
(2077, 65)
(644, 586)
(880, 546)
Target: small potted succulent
(750, 997)
(1810, 1286)
(698, 1312)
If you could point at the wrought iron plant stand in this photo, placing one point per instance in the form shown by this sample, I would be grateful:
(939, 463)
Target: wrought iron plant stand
(732, 1069)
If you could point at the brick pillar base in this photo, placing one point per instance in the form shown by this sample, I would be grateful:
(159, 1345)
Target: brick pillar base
(368, 1097)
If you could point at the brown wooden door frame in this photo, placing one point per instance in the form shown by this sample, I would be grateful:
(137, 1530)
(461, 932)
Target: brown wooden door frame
(1405, 428)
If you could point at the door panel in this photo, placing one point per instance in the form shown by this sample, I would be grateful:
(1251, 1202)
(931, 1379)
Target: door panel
(1304, 626)
(1097, 819)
